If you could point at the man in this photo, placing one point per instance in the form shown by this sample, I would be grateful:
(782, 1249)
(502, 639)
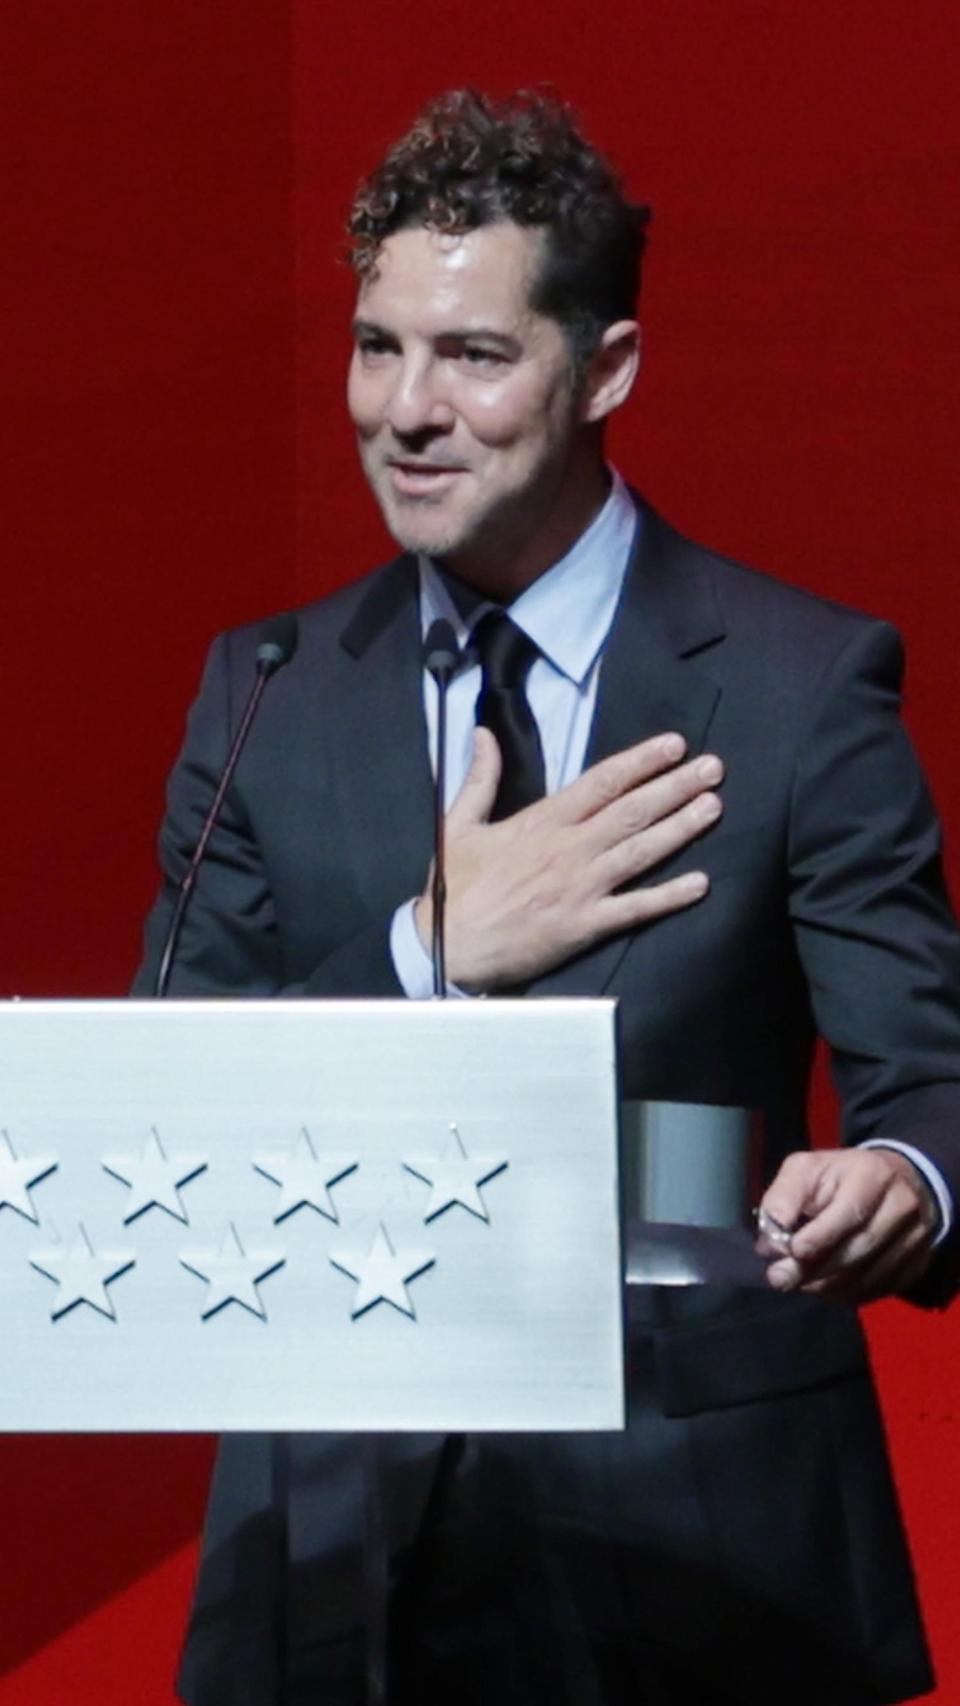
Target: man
(740, 1541)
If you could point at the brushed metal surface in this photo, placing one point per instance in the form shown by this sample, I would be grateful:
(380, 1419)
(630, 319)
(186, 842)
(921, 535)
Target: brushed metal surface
(691, 1180)
(309, 1215)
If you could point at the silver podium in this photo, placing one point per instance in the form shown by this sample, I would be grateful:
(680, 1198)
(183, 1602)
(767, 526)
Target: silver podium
(270, 1215)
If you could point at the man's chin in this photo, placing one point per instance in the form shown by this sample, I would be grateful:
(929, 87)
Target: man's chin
(416, 530)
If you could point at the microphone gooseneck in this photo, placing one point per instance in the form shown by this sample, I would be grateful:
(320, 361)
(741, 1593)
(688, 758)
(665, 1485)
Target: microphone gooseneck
(441, 654)
(276, 648)
(278, 644)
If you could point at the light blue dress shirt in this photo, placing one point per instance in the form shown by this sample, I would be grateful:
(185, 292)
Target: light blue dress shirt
(568, 613)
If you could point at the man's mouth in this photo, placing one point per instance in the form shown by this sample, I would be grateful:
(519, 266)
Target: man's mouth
(411, 478)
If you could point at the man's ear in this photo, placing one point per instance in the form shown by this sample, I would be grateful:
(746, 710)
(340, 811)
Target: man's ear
(611, 371)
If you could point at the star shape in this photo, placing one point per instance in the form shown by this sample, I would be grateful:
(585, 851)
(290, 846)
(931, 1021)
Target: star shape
(82, 1274)
(304, 1177)
(382, 1273)
(232, 1274)
(154, 1178)
(456, 1177)
(17, 1176)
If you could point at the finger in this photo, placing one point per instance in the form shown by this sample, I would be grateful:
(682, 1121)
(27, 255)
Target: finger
(772, 1240)
(621, 912)
(838, 1266)
(894, 1269)
(474, 802)
(649, 847)
(607, 781)
(785, 1274)
(801, 1187)
(854, 1206)
(897, 1217)
(655, 800)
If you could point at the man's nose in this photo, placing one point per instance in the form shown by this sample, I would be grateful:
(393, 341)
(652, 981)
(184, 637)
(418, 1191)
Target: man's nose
(418, 402)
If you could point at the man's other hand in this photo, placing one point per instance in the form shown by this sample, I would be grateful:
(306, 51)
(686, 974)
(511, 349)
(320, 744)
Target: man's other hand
(861, 1224)
(530, 891)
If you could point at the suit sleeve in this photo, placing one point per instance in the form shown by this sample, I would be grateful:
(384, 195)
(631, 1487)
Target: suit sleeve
(871, 915)
(230, 943)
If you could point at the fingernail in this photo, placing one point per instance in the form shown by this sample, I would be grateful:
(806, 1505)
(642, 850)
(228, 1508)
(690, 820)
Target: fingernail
(697, 883)
(709, 769)
(673, 746)
(783, 1276)
(708, 808)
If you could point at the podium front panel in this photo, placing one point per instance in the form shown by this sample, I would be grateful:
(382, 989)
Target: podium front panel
(271, 1215)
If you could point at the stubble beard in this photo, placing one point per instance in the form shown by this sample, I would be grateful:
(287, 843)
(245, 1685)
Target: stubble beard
(492, 534)
(415, 525)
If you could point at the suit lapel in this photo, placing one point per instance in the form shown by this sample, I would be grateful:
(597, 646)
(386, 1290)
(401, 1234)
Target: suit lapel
(384, 782)
(654, 678)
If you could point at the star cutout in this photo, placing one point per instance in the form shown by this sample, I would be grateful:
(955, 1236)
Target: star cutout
(232, 1274)
(154, 1178)
(82, 1274)
(382, 1274)
(456, 1177)
(17, 1176)
(304, 1177)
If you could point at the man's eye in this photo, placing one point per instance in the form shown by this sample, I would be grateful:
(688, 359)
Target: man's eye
(476, 355)
(371, 346)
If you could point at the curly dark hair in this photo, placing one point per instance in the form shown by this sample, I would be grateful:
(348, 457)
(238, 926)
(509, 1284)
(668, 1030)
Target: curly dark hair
(469, 160)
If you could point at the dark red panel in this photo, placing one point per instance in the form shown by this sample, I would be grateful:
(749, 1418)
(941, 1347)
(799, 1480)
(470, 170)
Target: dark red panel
(152, 458)
(147, 174)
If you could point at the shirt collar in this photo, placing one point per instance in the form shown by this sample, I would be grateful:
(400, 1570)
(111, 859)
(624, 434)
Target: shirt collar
(568, 610)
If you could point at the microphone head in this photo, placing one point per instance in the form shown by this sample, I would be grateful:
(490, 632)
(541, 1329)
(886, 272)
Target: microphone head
(441, 654)
(278, 644)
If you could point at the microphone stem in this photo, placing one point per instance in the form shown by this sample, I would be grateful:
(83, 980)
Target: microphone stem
(439, 871)
(190, 876)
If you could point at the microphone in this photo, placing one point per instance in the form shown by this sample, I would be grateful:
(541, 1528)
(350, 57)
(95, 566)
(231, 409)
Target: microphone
(441, 654)
(278, 644)
(275, 649)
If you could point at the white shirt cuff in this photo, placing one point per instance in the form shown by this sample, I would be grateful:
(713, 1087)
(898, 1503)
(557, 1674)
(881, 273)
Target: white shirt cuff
(932, 1174)
(411, 962)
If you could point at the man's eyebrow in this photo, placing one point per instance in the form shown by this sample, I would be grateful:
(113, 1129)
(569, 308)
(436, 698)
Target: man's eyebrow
(450, 335)
(478, 334)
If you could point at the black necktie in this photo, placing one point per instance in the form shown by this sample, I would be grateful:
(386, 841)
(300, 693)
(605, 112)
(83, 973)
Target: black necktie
(506, 654)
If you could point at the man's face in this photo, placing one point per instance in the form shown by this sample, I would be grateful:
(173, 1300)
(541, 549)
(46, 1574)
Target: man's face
(462, 396)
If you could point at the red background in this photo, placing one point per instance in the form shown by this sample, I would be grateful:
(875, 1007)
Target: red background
(176, 175)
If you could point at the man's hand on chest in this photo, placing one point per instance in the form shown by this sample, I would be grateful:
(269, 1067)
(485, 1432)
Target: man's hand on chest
(527, 893)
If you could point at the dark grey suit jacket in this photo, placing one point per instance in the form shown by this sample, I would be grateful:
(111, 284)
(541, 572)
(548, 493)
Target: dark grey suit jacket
(826, 912)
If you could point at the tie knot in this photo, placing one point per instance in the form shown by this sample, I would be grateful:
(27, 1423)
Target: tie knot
(505, 651)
